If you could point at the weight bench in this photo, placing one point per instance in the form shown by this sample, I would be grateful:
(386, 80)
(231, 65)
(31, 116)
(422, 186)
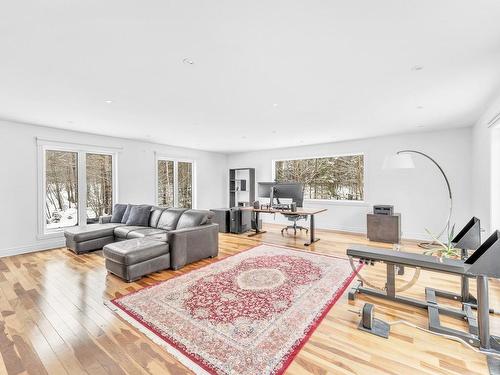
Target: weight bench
(483, 263)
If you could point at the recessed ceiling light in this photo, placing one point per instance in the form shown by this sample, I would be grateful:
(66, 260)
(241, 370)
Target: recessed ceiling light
(188, 61)
(417, 67)
(108, 101)
(275, 105)
(420, 107)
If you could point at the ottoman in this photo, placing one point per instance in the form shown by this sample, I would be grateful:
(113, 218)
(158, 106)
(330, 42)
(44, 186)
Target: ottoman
(134, 258)
(90, 237)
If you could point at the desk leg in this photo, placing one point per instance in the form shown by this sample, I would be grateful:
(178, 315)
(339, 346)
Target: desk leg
(257, 230)
(312, 238)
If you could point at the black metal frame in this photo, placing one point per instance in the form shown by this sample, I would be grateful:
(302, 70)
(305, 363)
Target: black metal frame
(312, 227)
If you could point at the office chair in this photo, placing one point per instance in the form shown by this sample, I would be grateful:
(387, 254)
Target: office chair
(294, 219)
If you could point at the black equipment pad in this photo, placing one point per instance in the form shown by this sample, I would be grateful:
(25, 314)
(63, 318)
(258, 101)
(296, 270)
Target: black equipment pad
(408, 259)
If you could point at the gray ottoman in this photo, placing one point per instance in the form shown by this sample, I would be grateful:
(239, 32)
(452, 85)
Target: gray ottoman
(134, 258)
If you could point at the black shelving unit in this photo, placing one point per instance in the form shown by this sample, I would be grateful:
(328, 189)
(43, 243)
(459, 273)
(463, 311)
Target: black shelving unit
(241, 180)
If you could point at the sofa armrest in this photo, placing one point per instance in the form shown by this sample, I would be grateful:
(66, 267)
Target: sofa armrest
(191, 244)
(105, 219)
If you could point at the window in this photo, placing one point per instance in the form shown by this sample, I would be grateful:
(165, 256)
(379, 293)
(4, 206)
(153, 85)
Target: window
(185, 185)
(175, 183)
(61, 189)
(330, 178)
(76, 186)
(166, 183)
(99, 177)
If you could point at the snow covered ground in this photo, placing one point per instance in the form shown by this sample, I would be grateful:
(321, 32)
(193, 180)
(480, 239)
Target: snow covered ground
(62, 219)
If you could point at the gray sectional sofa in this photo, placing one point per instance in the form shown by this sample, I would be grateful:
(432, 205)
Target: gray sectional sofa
(165, 238)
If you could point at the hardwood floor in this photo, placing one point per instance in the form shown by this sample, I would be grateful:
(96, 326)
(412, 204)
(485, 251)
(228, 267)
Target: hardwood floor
(53, 320)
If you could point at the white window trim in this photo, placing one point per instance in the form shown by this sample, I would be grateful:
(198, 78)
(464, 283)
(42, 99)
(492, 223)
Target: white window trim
(329, 201)
(176, 160)
(81, 149)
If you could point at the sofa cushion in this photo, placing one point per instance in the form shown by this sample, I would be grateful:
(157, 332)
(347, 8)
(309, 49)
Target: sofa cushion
(145, 232)
(90, 232)
(126, 213)
(135, 250)
(118, 211)
(169, 218)
(123, 231)
(139, 215)
(155, 216)
(193, 218)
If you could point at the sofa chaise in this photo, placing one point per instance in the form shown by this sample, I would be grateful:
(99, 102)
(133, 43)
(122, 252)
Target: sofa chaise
(138, 240)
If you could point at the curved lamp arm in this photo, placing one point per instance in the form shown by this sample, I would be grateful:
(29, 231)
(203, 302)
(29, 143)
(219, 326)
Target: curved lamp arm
(447, 227)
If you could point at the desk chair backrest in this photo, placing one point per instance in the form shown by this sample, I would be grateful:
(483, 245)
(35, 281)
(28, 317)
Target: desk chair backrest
(294, 217)
(486, 259)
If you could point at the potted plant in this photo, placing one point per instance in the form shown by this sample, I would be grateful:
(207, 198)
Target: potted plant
(444, 250)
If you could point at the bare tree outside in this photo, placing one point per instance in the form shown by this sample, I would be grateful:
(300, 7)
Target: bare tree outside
(61, 189)
(185, 184)
(335, 178)
(165, 183)
(99, 170)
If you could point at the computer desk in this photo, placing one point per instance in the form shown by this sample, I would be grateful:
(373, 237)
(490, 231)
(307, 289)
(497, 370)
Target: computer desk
(299, 212)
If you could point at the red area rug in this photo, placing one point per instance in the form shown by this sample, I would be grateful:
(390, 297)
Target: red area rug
(246, 314)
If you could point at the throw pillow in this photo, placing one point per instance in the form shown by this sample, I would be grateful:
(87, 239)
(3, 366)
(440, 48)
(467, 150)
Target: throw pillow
(118, 211)
(126, 213)
(139, 215)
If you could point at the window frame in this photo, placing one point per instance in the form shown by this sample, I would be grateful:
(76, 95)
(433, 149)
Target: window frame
(81, 150)
(329, 201)
(177, 160)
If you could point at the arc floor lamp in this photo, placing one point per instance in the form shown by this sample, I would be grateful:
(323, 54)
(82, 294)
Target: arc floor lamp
(403, 160)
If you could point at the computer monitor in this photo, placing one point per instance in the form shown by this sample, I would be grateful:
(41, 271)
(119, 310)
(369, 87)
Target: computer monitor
(264, 189)
(290, 190)
(285, 190)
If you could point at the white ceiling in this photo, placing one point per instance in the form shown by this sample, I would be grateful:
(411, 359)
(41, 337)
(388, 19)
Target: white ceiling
(266, 74)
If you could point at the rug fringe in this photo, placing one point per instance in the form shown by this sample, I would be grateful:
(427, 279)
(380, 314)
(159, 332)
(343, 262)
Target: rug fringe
(157, 340)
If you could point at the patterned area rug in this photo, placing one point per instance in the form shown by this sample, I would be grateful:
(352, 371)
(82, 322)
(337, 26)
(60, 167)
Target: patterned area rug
(249, 313)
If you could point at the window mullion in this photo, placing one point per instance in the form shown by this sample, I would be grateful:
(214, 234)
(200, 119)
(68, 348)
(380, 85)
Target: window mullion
(82, 188)
(176, 184)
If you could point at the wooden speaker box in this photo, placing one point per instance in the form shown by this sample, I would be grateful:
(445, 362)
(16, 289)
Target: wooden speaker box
(384, 228)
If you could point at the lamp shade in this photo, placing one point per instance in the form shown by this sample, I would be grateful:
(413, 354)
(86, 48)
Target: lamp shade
(398, 161)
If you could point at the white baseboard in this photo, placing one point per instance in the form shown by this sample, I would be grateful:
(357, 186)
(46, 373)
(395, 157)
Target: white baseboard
(33, 247)
(418, 236)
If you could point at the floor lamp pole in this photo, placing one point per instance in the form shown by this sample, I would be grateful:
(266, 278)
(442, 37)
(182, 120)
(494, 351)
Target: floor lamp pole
(447, 227)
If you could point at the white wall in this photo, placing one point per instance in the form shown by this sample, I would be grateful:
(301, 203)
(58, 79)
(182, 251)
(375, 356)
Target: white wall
(136, 178)
(484, 170)
(419, 194)
(495, 178)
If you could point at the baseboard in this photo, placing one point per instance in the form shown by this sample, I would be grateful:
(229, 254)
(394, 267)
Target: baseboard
(361, 230)
(53, 243)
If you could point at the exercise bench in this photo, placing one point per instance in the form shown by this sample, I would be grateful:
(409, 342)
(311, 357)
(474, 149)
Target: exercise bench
(483, 263)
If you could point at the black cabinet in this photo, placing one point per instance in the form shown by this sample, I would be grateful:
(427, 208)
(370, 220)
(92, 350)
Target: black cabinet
(222, 216)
